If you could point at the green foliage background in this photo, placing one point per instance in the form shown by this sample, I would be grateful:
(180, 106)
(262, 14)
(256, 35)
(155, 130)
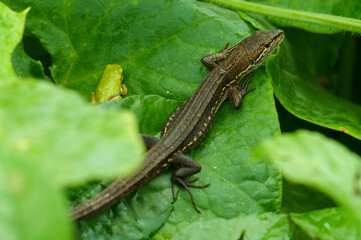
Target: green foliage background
(54, 141)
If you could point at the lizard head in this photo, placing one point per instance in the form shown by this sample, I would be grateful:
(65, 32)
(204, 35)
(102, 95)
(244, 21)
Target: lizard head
(261, 44)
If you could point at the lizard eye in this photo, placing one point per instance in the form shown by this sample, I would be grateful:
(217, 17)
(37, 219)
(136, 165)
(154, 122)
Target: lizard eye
(267, 45)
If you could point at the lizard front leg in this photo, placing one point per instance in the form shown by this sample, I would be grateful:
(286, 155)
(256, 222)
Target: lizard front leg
(210, 61)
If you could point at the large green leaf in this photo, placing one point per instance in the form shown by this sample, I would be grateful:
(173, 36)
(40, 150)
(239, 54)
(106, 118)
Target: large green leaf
(330, 223)
(25, 189)
(311, 159)
(64, 133)
(253, 227)
(30, 204)
(12, 27)
(309, 101)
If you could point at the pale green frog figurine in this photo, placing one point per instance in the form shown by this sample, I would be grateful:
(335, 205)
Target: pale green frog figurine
(110, 86)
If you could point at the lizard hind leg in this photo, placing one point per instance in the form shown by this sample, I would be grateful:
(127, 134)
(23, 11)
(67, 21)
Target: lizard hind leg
(149, 140)
(236, 94)
(186, 168)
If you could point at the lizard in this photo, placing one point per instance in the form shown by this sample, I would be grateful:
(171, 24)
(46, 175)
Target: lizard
(191, 121)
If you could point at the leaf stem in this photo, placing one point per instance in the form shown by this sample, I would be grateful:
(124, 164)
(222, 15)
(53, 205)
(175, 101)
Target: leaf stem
(325, 20)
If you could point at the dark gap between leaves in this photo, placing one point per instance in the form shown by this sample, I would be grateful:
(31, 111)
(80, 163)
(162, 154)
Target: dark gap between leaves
(34, 49)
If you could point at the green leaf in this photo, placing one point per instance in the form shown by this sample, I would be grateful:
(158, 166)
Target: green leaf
(297, 95)
(331, 223)
(311, 159)
(30, 204)
(64, 133)
(11, 27)
(25, 188)
(263, 226)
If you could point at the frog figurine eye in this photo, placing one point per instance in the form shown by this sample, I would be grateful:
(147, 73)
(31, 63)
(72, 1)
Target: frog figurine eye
(110, 86)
